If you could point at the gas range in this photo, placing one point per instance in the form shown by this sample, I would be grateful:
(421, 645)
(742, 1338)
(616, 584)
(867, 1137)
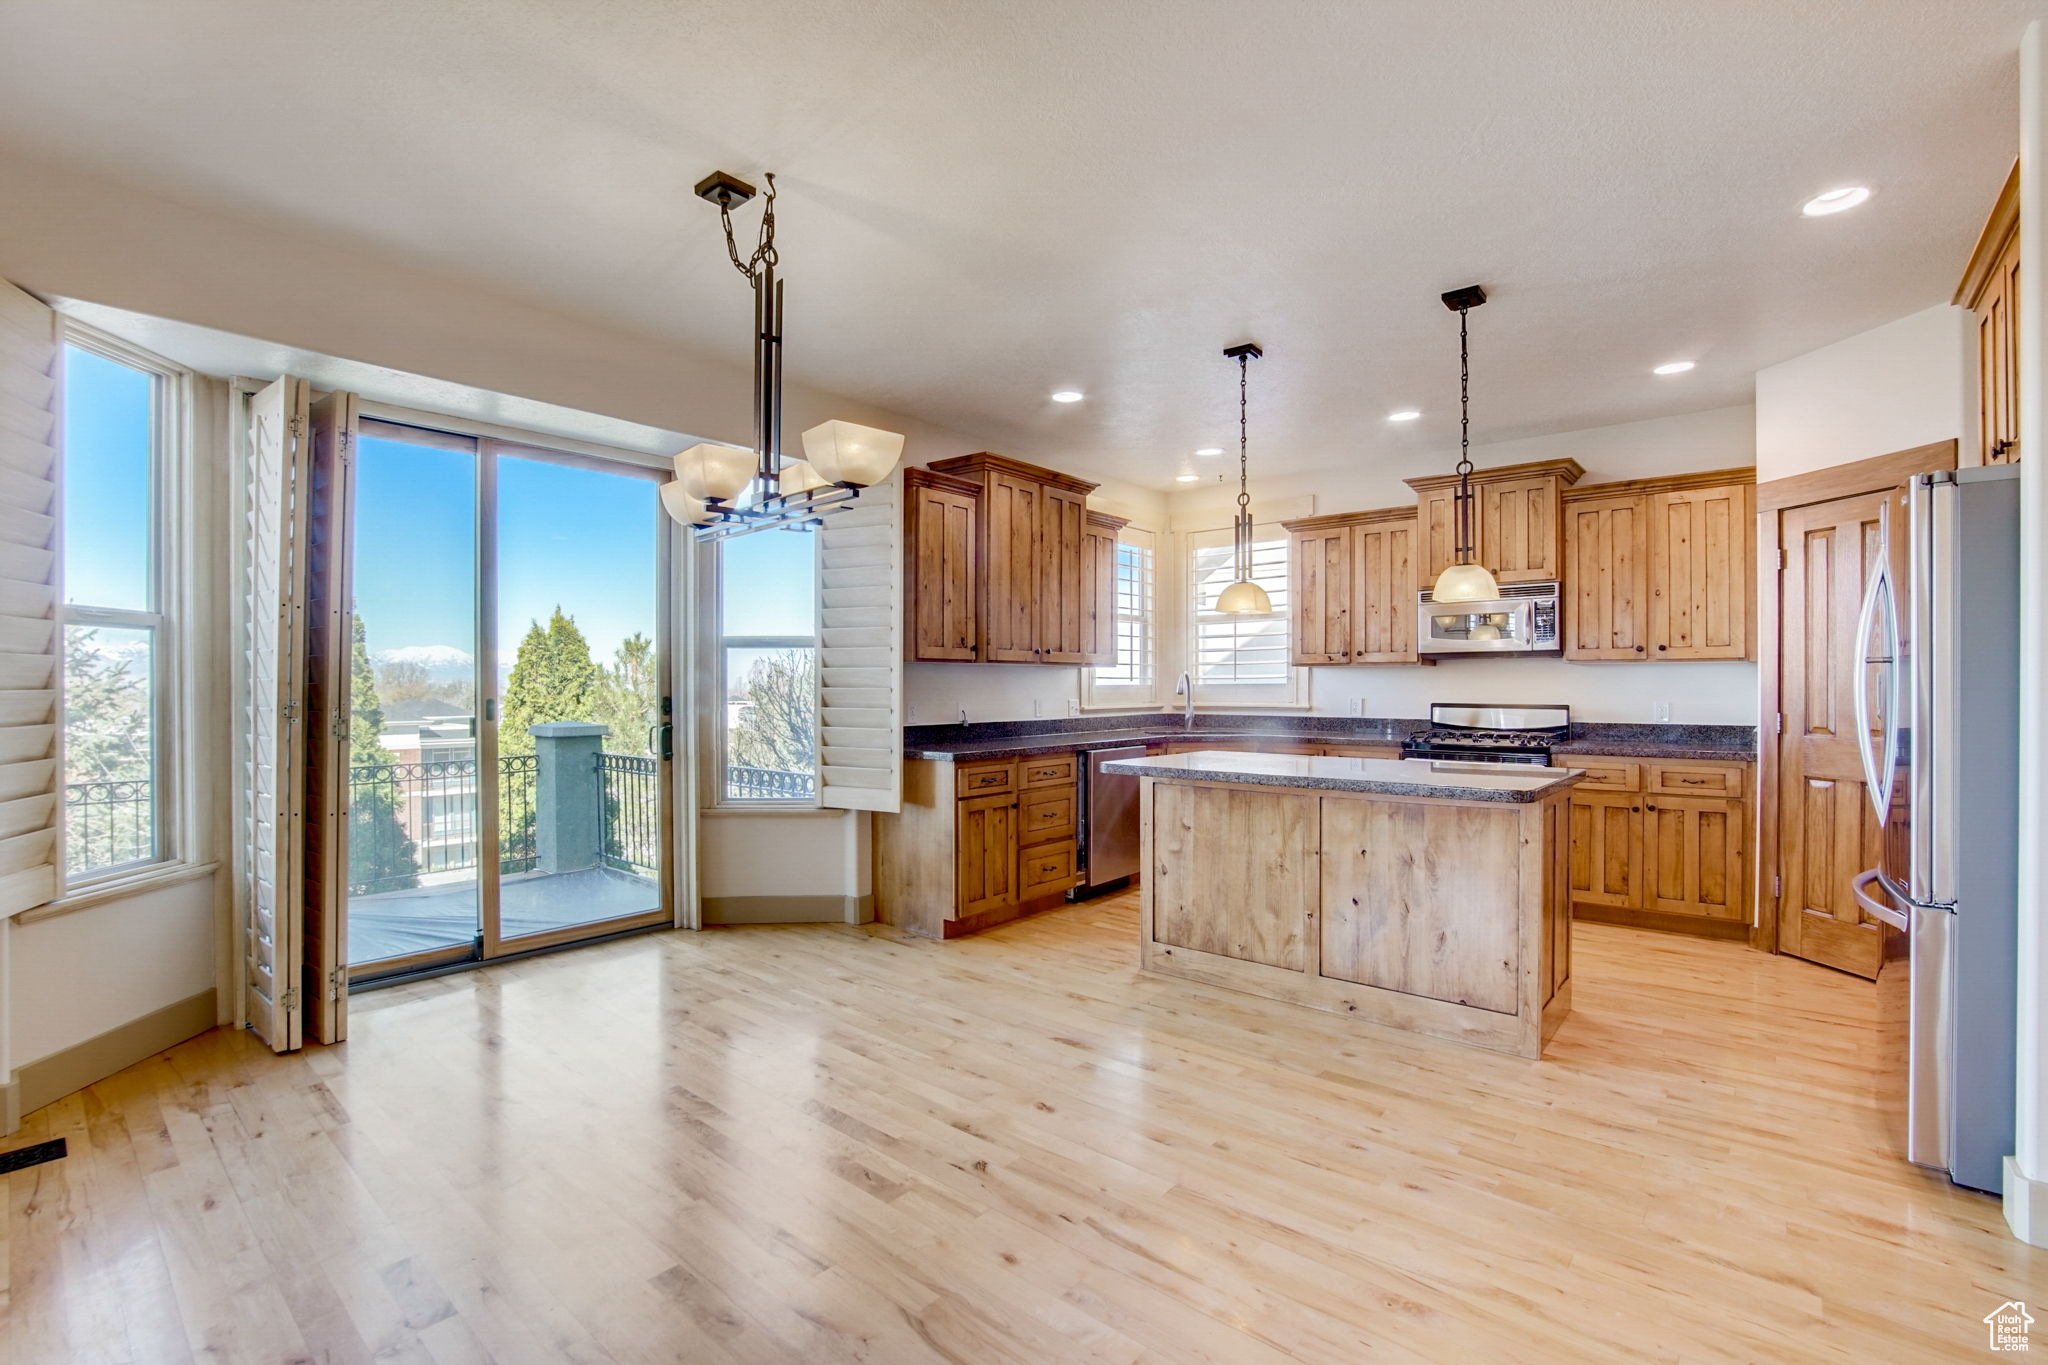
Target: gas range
(1465, 733)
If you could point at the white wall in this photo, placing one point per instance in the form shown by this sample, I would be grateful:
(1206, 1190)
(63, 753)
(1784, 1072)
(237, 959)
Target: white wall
(1908, 383)
(1698, 693)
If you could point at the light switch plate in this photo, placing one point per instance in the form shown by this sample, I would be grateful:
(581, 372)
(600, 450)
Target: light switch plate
(1661, 711)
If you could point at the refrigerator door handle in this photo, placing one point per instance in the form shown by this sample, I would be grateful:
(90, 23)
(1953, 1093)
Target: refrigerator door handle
(1874, 906)
(1865, 619)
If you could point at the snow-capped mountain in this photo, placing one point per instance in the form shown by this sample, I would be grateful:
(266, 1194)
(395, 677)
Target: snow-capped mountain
(443, 663)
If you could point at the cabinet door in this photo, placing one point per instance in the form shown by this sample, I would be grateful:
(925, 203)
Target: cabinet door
(1436, 530)
(1099, 618)
(1998, 369)
(1383, 619)
(1694, 857)
(1607, 849)
(1518, 527)
(1323, 576)
(1607, 580)
(1702, 567)
(942, 583)
(1009, 617)
(985, 835)
(1062, 576)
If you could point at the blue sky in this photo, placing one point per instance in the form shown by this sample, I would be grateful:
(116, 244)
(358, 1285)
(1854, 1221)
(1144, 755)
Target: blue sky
(106, 482)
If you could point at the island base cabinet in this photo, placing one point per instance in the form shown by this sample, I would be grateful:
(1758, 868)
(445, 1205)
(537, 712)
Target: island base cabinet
(1434, 916)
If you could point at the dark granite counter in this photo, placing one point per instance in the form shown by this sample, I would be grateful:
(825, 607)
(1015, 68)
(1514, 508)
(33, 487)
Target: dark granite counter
(1733, 743)
(1491, 782)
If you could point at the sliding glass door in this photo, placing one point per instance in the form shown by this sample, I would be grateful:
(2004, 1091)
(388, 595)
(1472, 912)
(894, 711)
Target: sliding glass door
(508, 772)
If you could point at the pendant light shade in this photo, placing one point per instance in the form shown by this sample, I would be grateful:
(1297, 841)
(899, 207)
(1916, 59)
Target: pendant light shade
(1243, 597)
(846, 452)
(1465, 583)
(799, 476)
(684, 508)
(714, 471)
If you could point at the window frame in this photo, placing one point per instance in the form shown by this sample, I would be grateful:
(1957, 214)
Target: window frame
(717, 735)
(1142, 695)
(1289, 694)
(172, 596)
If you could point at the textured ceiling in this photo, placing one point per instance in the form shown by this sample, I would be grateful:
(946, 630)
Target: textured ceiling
(982, 202)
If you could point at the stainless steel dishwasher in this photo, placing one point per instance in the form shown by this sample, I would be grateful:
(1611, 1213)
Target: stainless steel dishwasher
(1109, 825)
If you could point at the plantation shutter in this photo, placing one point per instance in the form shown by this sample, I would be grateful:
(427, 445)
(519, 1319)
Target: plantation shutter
(329, 649)
(29, 373)
(274, 605)
(860, 653)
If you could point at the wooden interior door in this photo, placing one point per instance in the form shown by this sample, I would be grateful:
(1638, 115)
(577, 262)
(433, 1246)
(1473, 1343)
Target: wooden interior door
(1323, 576)
(1009, 618)
(1827, 833)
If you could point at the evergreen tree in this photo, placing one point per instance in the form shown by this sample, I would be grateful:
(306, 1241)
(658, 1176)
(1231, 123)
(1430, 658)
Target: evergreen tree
(553, 678)
(381, 852)
(106, 710)
(628, 697)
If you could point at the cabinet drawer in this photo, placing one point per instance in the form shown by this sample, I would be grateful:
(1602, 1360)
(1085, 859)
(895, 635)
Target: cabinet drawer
(1046, 814)
(1047, 868)
(1695, 779)
(1051, 770)
(979, 779)
(1604, 774)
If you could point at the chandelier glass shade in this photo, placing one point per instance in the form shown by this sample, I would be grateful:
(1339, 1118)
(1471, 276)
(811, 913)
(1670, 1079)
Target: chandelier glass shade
(709, 471)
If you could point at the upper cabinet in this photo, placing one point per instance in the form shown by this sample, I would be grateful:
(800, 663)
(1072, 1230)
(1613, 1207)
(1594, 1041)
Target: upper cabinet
(1661, 569)
(1353, 590)
(1019, 590)
(940, 515)
(1099, 571)
(1990, 289)
(1518, 523)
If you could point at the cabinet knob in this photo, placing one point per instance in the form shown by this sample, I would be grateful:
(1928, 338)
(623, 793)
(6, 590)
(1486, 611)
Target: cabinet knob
(1662, 648)
(1639, 649)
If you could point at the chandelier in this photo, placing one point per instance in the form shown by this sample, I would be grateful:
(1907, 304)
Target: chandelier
(1243, 597)
(1465, 579)
(721, 491)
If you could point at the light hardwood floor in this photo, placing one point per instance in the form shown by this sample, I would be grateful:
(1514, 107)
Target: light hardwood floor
(823, 1144)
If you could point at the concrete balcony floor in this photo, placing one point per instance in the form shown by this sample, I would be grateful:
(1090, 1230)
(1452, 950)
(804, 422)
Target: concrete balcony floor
(397, 923)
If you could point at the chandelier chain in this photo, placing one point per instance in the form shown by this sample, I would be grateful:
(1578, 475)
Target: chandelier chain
(1244, 497)
(1464, 397)
(764, 249)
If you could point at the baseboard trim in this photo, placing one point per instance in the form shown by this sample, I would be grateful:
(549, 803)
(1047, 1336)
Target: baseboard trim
(2026, 1205)
(788, 910)
(1732, 929)
(51, 1078)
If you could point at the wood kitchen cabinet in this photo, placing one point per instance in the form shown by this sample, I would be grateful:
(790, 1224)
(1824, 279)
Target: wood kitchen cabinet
(1353, 590)
(978, 843)
(1661, 843)
(1099, 573)
(1030, 587)
(940, 516)
(1990, 289)
(1661, 569)
(1517, 520)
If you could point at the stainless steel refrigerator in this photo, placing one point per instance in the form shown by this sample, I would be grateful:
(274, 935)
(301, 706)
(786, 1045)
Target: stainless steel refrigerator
(1939, 712)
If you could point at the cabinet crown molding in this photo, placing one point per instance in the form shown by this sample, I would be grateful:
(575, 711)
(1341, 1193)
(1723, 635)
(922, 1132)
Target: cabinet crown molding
(1103, 521)
(1331, 520)
(1663, 483)
(925, 478)
(1568, 472)
(1998, 233)
(987, 461)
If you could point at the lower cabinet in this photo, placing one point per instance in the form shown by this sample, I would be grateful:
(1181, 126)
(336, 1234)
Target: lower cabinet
(977, 843)
(1661, 843)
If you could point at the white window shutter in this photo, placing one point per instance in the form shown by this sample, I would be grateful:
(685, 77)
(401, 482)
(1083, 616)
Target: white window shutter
(860, 652)
(30, 370)
(273, 778)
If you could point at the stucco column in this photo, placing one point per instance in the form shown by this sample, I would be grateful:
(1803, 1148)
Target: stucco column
(568, 794)
(2026, 1171)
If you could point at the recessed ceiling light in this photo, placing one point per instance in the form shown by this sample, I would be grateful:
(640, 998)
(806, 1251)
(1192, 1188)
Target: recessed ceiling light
(1674, 367)
(1210, 450)
(1835, 201)
(1187, 478)
(1067, 396)
(1404, 415)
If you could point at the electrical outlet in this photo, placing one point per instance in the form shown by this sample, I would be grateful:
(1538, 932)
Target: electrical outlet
(1358, 706)
(1661, 711)
(910, 714)
(1073, 706)
(1037, 707)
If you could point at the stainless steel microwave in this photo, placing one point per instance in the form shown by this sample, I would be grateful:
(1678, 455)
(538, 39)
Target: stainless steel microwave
(1522, 620)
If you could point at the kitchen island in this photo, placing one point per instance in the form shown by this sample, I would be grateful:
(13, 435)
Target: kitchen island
(1428, 897)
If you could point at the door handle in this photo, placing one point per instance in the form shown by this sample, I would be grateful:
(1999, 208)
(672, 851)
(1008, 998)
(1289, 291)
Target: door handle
(1877, 910)
(1865, 619)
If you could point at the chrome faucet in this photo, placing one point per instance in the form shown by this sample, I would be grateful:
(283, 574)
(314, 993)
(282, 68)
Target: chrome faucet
(1186, 688)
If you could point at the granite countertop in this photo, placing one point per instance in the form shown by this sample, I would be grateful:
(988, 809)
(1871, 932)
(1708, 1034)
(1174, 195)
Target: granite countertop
(1025, 739)
(1493, 782)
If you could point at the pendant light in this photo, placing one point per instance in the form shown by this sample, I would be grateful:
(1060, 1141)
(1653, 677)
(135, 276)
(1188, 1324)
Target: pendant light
(1243, 597)
(1465, 579)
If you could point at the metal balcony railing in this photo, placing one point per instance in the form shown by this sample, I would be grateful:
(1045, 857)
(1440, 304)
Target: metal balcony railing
(107, 824)
(770, 784)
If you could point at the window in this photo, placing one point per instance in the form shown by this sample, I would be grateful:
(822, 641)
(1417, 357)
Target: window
(768, 667)
(114, 648)
(1133, 679)
(1241, 659)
